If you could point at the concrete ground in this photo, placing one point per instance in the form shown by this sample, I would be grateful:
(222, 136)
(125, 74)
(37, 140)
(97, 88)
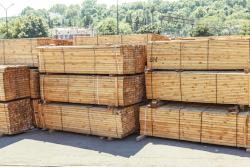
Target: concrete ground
(40, 148)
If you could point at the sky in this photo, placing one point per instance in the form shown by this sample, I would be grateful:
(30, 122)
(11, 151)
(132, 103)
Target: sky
(19, 5)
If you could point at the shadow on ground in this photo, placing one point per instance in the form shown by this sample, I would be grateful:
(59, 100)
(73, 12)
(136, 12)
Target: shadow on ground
(126, 148)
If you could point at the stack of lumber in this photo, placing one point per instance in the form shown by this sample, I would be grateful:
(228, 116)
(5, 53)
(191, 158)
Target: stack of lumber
(219, 37)
(196, 122)
(220, 54)
(102, 90)
(61, 42)
(199, 86)
(105, 59)
(34, 84)
(135, 39)
(14, 82)
(15, 117)
(94, 120)
(21, 51)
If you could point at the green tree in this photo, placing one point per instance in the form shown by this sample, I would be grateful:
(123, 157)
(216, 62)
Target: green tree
(201, 31)
(87, 20)
(148, 29)
(58, 8)
(33, 26)
(70, 24)
(245, 28)
(107, 27)
(25, 10)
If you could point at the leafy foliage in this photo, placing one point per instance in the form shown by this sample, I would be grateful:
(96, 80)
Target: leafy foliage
(201, 31)
(25, 27)
(149, 29)
(222, 17)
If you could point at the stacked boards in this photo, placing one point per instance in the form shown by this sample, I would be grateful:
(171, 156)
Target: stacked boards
(94, 120)
(104, 59)
(23, 51)
(15, 116)
(133, 39)
(199, 86)
(219, 54)
(206, 123)
(101, 90)
(15, 110)
(14, 82)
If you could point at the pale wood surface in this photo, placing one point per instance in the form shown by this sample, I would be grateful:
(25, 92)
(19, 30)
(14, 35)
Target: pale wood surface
(15, 116)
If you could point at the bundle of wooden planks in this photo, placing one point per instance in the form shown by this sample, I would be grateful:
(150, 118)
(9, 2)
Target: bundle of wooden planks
(219, 54)
(105, 59)
(94, 120)
(15, 117)
(199, 86)
(61, 42)
(102, 90)
(14, 82)
(204, 123)
(34, 84)
(23, 51)
(134, 39)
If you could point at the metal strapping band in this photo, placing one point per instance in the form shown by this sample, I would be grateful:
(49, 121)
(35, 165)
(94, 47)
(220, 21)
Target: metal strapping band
(145, 127)
(216, 88)
(117, 61)
(40, 59)
(152, 71)
(180, 56)
(236, 130)
(68, 87)
(61, 118)
(63, 60)
(94, 89)
(207, 54)
(43, 87)
(97, 40)
(35, 112)
(31, 50)
(115, 125)
(89, 122)
(246, 128)
(94, 61)
(97, 87)
(44, 62)
(3, 52)
(201, 122)
(180, 85)
(152, 121)
(1, 93)
(7, 120)
(44, 124)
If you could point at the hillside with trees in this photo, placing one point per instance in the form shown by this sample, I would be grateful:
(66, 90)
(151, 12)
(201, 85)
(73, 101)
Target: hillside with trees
(210, 17)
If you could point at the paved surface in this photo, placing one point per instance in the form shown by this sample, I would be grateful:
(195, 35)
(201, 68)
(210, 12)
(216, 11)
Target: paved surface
(39, 148)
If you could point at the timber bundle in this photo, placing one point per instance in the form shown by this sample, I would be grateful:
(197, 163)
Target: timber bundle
(104, 59)
(133, 39)
(219, 54)
(207, 106)
(23, 51)
(15, 109)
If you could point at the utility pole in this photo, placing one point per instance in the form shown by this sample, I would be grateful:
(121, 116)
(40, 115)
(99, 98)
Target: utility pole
(7, 18)
(117, 20)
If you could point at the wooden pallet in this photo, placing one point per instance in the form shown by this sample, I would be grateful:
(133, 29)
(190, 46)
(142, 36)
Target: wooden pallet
(14, 82)
(34, 84)
(135, 39)
(104, 59)
(15, 117)
(206, 123)
(102, 90)
(226, 54)
(94, 120)
(201, 86)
